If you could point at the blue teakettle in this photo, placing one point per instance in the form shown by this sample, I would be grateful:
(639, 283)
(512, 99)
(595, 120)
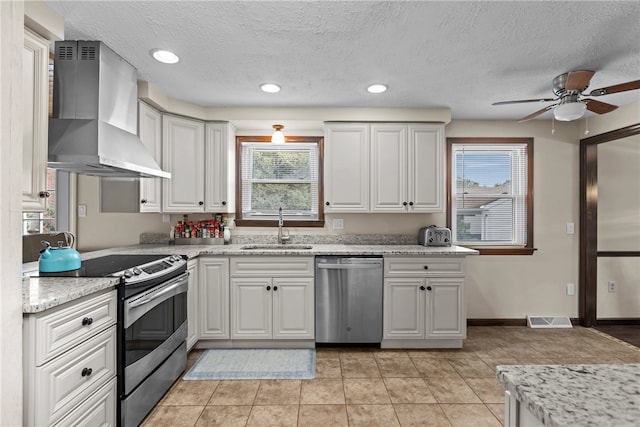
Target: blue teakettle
(61, 258)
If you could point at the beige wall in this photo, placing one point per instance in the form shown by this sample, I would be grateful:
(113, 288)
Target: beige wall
(11, 104)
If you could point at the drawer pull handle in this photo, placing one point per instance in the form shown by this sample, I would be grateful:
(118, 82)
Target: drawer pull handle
(87, 321)
(426, 267)
(86, 372)
(428, 288)
(422, 288)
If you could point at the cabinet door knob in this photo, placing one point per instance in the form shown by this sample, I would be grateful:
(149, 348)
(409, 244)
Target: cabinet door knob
(44, 194)
(200, 203)
(87, 321)
(404, 203)
(224, 203)
(410, 203)
(327, 203)
(86, 372)
(426, 267)
(275, 288)
(143, 201)
(422, 288)
(428, 288)
(268, 288)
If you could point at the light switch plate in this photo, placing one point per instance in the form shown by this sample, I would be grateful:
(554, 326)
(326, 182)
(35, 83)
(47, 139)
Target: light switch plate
(337, 224)
(571, 228)
(82, 211)
(571, 289)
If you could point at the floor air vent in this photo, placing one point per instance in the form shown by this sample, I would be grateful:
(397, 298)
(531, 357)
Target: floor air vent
(548, 322)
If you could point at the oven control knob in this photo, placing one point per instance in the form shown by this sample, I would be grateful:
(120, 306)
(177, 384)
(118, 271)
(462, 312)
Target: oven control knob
(177, 258)
(137, 271)
(128, 274)
(170, 260)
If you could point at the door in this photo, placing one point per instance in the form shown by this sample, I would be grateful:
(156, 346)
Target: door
(389, 167)
(346, 167)
(150, 133)
(425, 168)
(183, 156)
(251, 308)
(404, 308)
(445, 309)
(293, 308)
(214, 298)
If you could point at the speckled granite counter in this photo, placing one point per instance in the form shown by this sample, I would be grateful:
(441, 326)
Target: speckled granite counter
(42, 293)
(577, 395)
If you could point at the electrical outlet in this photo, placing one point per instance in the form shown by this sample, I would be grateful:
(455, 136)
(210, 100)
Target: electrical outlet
(571, 229)
(338, 223)
(82, 211)
(612, 286)
(166, 217)
(571, 289)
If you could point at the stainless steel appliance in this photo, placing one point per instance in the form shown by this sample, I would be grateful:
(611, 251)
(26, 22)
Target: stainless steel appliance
(94, 125)
(349, 299)
(434, 236)
(152, 326)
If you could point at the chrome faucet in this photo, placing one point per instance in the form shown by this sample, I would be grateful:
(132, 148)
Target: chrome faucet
(282, 238)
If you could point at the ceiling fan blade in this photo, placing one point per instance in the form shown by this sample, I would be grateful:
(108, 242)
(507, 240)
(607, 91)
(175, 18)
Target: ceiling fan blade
(622, 87)
(537, 113)
(523, 101)
(599, 107)
(578, 80)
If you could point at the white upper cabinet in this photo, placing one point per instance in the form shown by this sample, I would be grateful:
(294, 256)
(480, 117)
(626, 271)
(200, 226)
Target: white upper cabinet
(150, 133)
(35, 139)
(219, 157)
(384, 167)
(406, 167)
(346, 167)
(182, 156)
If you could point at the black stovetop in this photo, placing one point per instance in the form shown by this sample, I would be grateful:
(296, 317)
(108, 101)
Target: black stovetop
(107, 265)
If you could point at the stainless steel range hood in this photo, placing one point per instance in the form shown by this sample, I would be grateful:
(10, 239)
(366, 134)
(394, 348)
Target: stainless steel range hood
(94, 124)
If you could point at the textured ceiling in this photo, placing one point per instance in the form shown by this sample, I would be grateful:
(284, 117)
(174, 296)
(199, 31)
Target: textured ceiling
(461, 55)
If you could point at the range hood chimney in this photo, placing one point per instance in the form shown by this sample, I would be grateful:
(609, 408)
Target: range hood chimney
(94, 124)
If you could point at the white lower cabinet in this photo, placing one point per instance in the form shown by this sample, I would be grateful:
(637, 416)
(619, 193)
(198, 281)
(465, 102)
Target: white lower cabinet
(74, 385)
(422, 309)
(275, 304)
(213, 298)
(192, 304)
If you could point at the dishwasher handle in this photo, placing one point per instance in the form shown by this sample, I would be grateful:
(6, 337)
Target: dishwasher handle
(348, 266)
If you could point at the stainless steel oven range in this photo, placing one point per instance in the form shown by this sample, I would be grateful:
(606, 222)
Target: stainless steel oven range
(152, 326)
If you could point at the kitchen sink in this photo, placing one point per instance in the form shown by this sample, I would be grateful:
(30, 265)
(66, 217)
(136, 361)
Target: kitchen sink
(276, 247)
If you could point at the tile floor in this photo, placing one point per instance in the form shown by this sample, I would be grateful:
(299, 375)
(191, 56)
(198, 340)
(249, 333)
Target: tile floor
(377, 387)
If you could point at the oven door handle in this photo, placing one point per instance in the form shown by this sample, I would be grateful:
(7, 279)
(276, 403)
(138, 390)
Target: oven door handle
(168, 289)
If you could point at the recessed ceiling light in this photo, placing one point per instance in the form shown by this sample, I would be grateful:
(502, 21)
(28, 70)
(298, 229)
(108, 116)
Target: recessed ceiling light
(165, 56)
(377, 88)
(270, 87)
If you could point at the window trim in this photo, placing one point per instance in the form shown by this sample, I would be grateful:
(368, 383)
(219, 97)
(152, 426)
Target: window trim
(240, 222)
(528, 249)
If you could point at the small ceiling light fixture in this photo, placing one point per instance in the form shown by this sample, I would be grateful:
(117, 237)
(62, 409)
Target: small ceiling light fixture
(278, 136)
(377, 88)
(270, 87)
(165, 56)
(569, 111)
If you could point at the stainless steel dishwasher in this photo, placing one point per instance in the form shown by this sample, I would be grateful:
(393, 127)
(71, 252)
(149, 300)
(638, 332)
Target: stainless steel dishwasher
(348, 299)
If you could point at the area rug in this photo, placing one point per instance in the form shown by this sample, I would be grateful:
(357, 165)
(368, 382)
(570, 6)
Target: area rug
(254, 364)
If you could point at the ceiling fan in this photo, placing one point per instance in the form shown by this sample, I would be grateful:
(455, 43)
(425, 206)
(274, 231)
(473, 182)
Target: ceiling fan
(569, 88)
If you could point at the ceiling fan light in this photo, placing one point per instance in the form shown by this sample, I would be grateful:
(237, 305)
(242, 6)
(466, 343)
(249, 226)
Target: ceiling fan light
(569, 111)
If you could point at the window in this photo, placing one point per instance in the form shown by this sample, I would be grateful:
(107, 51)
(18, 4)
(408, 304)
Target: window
(274, 176)
(490, 194)
(43, 222)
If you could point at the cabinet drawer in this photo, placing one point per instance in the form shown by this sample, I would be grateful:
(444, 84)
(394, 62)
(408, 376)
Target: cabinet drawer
(60, 385)
(272, 266)
(424, 267)
(56, 331)
(97, 410)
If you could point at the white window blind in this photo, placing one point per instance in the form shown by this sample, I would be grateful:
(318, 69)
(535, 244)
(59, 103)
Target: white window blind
(275, 176)
(489, 194)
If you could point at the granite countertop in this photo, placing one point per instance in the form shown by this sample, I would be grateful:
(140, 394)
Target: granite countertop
(39, 293)
(577, 395)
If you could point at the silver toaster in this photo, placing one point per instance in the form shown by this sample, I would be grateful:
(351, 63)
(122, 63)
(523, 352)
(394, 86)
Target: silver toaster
(434, 236)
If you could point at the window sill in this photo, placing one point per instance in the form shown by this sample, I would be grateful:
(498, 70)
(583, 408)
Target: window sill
(274, 223)
(500, 250)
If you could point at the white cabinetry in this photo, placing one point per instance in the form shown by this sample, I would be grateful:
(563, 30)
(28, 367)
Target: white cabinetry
(406, 167)
(384, 167)
(213, 306)
(346, 167)
(182, 156)
(192, 304)
(35, 132)
(150, 133)
(70, 364)
(424, 302)
(272, 298)
(219, 161)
